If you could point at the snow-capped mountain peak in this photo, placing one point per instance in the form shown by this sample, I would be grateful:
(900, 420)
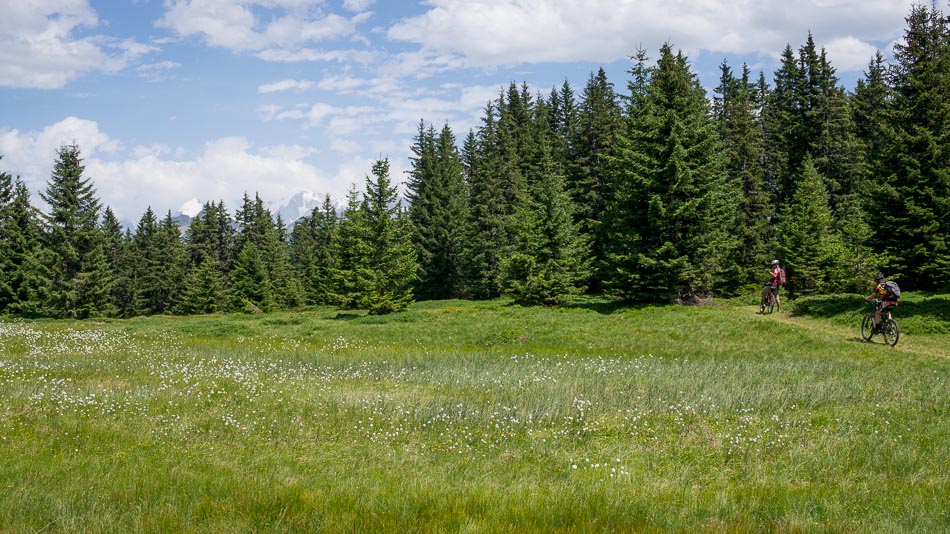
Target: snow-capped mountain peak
(299, 205)
(191, 208)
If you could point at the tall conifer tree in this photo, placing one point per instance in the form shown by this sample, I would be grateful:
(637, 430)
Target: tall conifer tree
(390, 267)
(550, 257)
(79, 283)
(594, 141)
(738, 111)
(674, 207)
(913, 207)
(437, 212)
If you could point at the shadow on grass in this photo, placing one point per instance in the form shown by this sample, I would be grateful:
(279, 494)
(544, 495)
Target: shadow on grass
(603, 306)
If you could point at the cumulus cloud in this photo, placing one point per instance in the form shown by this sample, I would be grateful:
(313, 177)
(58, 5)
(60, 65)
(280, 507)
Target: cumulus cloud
(849, 53)
(242, 26)
(164, 178)
(490, 33)
(39, 47)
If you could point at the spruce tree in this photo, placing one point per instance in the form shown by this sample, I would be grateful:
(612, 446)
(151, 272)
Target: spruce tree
(116, 246)
(488, 226)
(251, 281)
(437, 211)
(313, 253)
(146, 273)
(593, 143)
(390, 267)
(79, 283)
(172, 262)
(350, 275)
(673, 207)
(550, 257)
(738, 111)
(812, 251)
(22, 277)
(913, 199)
(252, 272)
(209, 258)
(8, 263)
(288, 289)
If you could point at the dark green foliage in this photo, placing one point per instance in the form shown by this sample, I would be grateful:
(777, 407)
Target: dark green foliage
(738, 110)
(118, 250)
(22, 277)
(593, 143)
(379, 267)
(156, 263)
(313, 253)
(391, 267)
(812, 252)
(251, 282)
(672, 206)
(550, 257)
(262, 275)
(488, 224)
(353, 249)
(208, 250)
(145, 273)
(172, 261)
(436, 193)
(204, 290)
(79, 275)
(912, 202)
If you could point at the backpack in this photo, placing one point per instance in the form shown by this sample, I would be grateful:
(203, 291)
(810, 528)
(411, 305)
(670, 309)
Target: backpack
(893, 291)
(781, 277)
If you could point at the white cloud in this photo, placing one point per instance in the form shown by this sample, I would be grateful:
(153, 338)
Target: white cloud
(163, 178)
(358, 5)
(285, 85)
(490, 33)
(309, 54)
(272, 27)
(32, 154)
(157, 72)
(849, 53)
(39, 48)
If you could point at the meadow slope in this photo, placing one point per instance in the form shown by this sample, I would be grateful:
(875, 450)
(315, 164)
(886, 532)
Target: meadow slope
(463, 416)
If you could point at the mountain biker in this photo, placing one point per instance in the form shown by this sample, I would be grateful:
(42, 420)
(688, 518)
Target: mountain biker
(881, 294)
(778, 276)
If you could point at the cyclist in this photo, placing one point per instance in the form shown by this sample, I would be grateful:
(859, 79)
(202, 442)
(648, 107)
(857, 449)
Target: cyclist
(881, 294)
(778, 278)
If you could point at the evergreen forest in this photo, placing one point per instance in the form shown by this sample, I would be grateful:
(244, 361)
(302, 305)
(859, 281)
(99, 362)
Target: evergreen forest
(652, 191)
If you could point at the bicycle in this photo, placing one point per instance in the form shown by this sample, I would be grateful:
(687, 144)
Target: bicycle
(767, 305)
(888, 327)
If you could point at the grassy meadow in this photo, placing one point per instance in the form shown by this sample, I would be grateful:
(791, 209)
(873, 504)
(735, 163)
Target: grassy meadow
(479, 417)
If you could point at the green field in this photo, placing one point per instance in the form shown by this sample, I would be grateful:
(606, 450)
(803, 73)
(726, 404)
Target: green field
(479, 417)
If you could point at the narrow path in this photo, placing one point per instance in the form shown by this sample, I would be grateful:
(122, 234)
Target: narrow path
(930, 345)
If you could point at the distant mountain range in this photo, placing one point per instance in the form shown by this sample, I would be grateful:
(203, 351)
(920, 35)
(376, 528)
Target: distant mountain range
(291, 210)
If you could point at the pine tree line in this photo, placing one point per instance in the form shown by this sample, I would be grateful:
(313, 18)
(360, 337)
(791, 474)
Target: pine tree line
(655, 193)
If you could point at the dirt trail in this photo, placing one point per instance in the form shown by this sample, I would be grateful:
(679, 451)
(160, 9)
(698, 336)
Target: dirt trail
(928, 345)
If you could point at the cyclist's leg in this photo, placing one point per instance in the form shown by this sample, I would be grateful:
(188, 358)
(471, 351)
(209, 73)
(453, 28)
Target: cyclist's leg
(778, 299)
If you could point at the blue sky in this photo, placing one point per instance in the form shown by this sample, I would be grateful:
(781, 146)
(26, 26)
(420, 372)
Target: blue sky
(171, 100)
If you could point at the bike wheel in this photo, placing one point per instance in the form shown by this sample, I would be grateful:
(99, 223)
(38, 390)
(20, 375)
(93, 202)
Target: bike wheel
(867, 327)
(770, 306)
(891, 332)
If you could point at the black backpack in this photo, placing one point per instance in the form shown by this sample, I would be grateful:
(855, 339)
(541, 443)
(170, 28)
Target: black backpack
(893, 291)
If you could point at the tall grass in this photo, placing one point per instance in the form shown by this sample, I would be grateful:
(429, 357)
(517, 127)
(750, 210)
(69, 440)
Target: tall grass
(472, 417)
